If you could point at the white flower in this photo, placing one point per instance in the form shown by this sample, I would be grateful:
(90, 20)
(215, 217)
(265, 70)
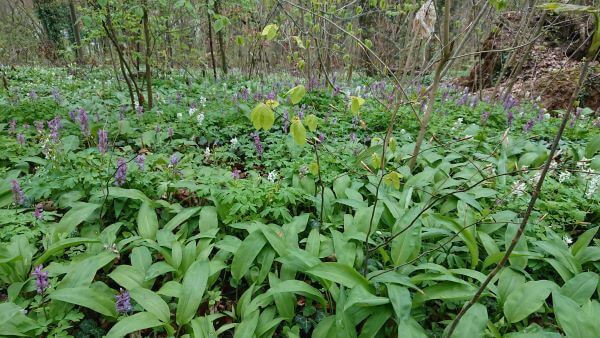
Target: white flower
(568, 240)
(458, 123)
(203, 101)
(179, 115)
(234, 142)
(272, 177)
(200, 118)
(519, 188)
(594, 183)
(192, 111)
(207, 153)
(564, 176)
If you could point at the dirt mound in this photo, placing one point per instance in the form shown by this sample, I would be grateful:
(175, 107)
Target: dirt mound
(552, 68)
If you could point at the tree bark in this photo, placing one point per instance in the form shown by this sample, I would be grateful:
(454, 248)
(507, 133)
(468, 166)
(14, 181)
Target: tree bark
(76, 32)
(210, 42)
(220, 40)
(148, 54)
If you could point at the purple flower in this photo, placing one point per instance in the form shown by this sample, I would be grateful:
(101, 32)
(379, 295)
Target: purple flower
(38, 213)
(12, 126)
(102, 141)
(244, 93)
(170, 132)
(56, 95)
(235, 174)
(321, 137)
(575, 116)
(32, 94)
(54, 125)
(41, 279)
(301, 112)
(271, 95)
(25, 125)
(121, 173)
(157, 129)
(18, 195)
(39, 126)
(174, 160)
(123, 302)
(510, 116)
(84, 123)
(510, 102)
(485, 116)
(258, 96)
(21, 139)
(258, 145)
(353, 137)
(140, 160)
(528, 126)
(139, 110)
(73, 115)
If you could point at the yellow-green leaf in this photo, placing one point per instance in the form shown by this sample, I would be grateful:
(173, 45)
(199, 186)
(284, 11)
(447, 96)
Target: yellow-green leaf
(355, 104)
(311, 122)
(296, 94)
(262, 117)
(393, 179)
(270, 31)
(299, 42)
(375, 160)
(298, 131)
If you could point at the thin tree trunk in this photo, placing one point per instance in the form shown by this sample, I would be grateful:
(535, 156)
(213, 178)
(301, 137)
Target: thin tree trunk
(148, 53)
(76, 32)
(220, 40)
(446, 52)
(210, 42)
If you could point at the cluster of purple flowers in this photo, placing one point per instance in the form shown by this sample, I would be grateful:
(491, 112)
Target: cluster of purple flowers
(485, 115)
(39, 126)
(139, 110)
(56, 95)
(121, 173)
(18, 195)
(54, 125)
(271, 95)
(102, 141)
(258, 145)
(21, 139)
(84, 122)
(244, 94)
(32, 94)
(12, 126)
(141, 161)
(170, 132)
(123, 302)
(235, 174)
(41, 279)
(38, 213)
(528, 125)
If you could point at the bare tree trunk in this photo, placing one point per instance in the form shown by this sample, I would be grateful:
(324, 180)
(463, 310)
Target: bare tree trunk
(446, 52)
(210, 42)
(220, 40)
(148, 53)
(76, 32)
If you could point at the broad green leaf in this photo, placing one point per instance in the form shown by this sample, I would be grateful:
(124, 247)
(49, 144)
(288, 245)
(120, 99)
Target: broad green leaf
(208, 219)
(127, 276)
(572, 319)
(298, 132)
(181, 217)
(409, 328)
(473, 323)
(193, 287)
(362, 298)
(97, 297)
(270, 31)
(248, 325)
(526, 299)
(133, 323)
(445, 291)
(340, 274)
(152, 303)
(401, 301)
(135, 194)
(584, 240)
(79, 213)
(296, 94)
(147, 221)
(581, 287)
(509, 281)
(297, 287)
(246, 254)
(60, 246)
